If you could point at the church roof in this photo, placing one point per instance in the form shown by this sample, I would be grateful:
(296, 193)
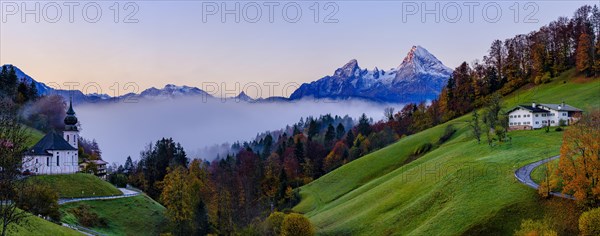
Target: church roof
(52, 141)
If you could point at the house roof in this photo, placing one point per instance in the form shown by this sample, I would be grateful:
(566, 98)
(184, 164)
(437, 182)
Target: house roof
(562, 108)
(52, 141)
(97, 162)
(529, 108)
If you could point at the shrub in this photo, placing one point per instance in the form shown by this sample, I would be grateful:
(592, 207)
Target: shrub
(448, 132)
(86, 217)
(589, 222)
(40, 200)
(562, 123)
(558, 129)
(531, 227)
(424, 148)
(295, 224)
(273, 223)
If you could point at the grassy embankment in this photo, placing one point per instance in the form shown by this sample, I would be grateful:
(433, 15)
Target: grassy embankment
(139, 215)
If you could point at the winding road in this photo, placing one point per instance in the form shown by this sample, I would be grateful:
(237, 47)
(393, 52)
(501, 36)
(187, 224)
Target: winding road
(126, 193)
(523, 174)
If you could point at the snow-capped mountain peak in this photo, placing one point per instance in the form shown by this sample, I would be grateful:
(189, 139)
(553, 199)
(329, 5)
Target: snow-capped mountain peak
(419, 77)
(420, 61)
(349, 69)
(172, 91)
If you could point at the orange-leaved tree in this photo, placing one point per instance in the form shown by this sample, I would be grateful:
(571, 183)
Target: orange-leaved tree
(579, 165)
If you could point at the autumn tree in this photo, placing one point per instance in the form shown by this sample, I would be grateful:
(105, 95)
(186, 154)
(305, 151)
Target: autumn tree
(497, 54)
(579, 165)
(270, 182)
(589, 222)
(336, 157)
(273, 223)
(584, 54)
(549, 180)
(295, 224)
(177, 199)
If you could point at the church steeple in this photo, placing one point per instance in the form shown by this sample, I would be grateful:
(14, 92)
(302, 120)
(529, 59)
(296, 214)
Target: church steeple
(70, 119)
(71, 133)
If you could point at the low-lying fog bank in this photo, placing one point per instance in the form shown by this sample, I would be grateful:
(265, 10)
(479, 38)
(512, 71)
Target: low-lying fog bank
(124, 129)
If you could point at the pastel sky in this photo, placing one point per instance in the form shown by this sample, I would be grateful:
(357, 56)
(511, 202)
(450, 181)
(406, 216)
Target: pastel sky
(173, 42)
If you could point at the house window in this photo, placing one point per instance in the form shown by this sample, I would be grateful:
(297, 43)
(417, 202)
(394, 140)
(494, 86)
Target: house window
(537, 122)
(536, 115)
(519, 116)
(564, 114)
(553, 122)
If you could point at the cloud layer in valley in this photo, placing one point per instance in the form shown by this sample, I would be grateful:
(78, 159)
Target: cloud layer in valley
(124, 129)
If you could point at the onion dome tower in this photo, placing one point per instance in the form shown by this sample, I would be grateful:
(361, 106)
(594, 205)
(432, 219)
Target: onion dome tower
(71, 133)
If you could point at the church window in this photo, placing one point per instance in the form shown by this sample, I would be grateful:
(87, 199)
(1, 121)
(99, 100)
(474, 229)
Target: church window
(67, 138)
(57, 160)
(47, 161)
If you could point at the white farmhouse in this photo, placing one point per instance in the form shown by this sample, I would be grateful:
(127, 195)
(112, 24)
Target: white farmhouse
(55, 154)
(537, 116)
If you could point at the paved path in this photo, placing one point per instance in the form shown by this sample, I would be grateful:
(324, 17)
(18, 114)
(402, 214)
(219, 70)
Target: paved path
(523, 174)
(126, 193)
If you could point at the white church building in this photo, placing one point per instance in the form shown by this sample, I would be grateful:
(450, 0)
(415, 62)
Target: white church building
(536, 116)
(55, 154)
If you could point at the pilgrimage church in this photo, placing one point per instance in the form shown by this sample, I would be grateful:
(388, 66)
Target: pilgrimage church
(55, 154)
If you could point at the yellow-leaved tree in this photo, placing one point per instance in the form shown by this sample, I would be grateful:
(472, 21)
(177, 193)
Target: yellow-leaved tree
(177, 199)
(295, 224)
(579, 165)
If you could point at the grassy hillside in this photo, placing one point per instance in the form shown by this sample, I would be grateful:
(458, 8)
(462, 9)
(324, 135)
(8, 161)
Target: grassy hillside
(78, 185)
(38, 226)
(34, 136)
(459, 188)
(138, 215)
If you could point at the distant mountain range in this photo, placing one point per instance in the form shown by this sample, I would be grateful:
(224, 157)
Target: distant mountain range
(420, 77)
